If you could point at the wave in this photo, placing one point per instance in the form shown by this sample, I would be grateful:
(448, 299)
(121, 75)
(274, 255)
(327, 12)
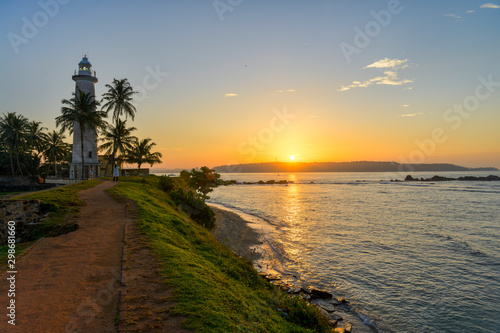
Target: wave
(459, 246)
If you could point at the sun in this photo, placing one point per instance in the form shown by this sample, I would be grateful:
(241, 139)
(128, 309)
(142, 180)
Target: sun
(292, 157)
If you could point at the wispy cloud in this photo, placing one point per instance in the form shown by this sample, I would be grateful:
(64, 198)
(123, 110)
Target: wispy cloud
(410, 115)
(390, 77)
(490, 6)
(288, 90)
(230, 95)
(458, 17)
(470, 11)
(406, 105)
(389, 63)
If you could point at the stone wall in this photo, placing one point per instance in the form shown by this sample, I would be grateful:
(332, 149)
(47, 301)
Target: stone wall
(20, 184)
(26, 213)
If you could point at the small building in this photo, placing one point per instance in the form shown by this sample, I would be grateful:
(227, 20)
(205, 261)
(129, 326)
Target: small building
(103, 160)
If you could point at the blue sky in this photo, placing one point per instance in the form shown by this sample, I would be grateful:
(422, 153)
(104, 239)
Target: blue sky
(224, 67)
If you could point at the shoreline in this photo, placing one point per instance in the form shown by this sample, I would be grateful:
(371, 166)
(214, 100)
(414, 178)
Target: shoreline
(248, 242)
(233, 231)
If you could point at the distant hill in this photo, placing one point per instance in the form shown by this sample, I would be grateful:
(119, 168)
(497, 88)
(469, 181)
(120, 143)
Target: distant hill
(361, 166)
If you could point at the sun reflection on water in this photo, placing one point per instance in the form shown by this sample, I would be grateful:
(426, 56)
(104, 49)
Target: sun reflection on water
(294, 213)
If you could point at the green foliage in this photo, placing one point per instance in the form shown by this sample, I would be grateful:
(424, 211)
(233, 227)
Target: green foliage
(63, 197)
(140, 153)
(81, 110)
(185, 175)
(300, 312)
(203, 181)
(63, 202)
(214, 289)
(119, 98)
(166, 183)
(118, 139)
(194, 207)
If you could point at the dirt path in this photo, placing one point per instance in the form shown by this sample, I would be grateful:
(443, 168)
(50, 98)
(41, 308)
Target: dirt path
(149, 299)
(70, 283)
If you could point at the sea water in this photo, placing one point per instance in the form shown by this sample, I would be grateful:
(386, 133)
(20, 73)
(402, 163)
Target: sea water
(409, 256)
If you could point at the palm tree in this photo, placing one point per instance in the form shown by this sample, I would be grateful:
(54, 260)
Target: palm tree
(141, 153)
(118, 139)
(119, 99)
(81, 109)
(35, 136)
(13, 133)
(55, 148)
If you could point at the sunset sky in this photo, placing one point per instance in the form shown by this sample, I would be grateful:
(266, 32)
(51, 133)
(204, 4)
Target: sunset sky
(240, 81)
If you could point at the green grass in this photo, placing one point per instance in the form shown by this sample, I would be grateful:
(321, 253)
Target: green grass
(19, 249)
(214, 289)
(64, 203)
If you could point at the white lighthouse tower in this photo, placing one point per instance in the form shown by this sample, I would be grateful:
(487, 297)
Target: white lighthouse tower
(85, 82)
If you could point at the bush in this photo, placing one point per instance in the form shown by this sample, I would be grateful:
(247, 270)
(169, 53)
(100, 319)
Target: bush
(167, 184)
(302, 313)
(194, 207)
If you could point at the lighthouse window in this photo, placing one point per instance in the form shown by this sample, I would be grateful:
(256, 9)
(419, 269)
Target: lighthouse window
(90, 154)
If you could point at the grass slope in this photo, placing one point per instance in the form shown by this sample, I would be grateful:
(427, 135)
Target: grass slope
(63, 201)
(217, 291)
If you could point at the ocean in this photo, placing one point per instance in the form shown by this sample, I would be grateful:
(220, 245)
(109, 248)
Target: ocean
(408, 256)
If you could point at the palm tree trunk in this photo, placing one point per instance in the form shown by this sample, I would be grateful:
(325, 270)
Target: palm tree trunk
(17, 160)
(11, 163)
(112, 164)
(83, 162)
(113, 156)
(106, 168)
(55, 164)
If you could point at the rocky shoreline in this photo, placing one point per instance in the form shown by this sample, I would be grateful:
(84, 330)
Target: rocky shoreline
(243, 240)
(436, 178)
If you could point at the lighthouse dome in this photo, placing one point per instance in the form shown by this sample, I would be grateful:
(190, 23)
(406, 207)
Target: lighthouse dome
(84, 66)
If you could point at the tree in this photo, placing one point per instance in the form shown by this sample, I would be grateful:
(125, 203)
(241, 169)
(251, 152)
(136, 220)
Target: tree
(13, 130)
(35, 136)
(140, 153)
(117, 139)
(55, 148)
(81, 109)
(203, 181)
(119, 99)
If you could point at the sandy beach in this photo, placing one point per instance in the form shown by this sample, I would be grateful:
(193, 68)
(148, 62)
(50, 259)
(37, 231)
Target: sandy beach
(234, 231)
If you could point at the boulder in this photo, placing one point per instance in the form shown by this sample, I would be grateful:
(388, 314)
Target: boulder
(317, 293)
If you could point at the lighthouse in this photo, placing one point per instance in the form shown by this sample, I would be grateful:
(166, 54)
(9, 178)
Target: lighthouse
(85, 82)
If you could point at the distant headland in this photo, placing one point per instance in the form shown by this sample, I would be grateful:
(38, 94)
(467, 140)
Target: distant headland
(358, 166)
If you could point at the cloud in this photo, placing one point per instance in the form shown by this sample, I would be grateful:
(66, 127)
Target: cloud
(230, 95)
(389, 78)
(470, 11)
(406, 105)
(410, 115)
(490, 6)
(458, 17)
(289, 90)
(389, 63)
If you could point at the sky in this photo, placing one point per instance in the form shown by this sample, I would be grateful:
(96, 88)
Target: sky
(239, 81)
